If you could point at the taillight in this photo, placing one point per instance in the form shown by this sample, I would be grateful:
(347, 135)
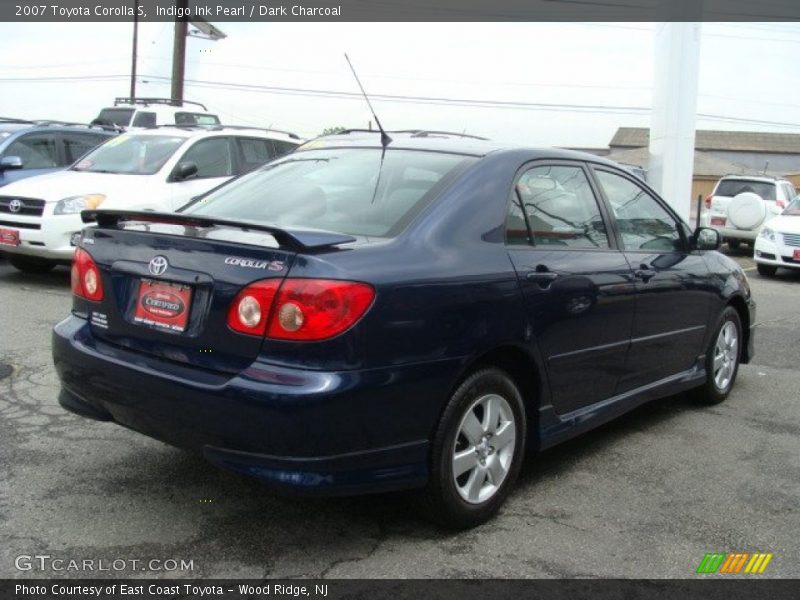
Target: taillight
(85, 277)
(708, 200)
(781, 204)
(249, 311)
(299, 309)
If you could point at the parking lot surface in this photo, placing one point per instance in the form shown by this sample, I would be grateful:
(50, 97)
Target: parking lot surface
(645, 496)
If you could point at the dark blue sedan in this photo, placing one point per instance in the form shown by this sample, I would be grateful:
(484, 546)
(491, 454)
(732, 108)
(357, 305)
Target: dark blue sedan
(356, 318)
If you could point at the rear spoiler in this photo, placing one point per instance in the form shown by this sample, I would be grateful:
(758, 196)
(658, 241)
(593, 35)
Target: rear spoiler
(297, 239)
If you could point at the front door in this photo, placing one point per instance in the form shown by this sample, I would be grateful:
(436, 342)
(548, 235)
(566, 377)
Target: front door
(674, 294)
(214, 160)
(577, 286)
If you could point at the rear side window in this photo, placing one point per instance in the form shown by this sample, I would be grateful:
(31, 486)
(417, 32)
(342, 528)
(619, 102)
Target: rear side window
(282, 147)
(37, 150)
(144, 119)
(115, 116)
(190, 118)
(555, 206)
(356, 191)
(254, 152)
(212, 157)
(732, 187)
(78, 144)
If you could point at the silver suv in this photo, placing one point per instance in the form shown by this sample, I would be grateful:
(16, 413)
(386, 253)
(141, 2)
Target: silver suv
(740, 204)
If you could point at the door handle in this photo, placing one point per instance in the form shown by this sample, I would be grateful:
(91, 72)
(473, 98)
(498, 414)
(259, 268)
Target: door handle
(543, 278)
(644, 272)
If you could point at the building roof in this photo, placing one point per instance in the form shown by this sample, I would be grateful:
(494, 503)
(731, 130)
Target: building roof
(705, 164)
(708, 139)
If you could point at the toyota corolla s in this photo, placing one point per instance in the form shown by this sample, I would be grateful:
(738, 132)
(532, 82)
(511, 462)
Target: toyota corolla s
(367, 315)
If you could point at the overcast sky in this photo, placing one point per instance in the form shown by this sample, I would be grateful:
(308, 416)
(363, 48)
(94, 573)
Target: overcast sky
(747, 71)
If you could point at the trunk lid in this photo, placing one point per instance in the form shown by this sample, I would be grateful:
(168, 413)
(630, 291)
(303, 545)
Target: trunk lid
(170, 279)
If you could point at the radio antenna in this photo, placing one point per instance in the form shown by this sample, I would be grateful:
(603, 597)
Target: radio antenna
(385, 139)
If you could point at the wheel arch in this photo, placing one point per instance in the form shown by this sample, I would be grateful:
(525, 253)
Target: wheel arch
(523, 370)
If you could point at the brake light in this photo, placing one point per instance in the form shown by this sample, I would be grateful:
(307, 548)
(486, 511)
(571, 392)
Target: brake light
(249, 311)
(299, 309)
(85, 277)
(708, 200)
(780, 203)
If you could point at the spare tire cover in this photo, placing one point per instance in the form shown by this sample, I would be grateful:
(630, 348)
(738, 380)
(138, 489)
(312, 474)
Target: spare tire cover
(747, 210)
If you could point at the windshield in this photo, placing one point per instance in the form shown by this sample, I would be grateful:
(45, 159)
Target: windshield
(732, 187)
(794, 208)
(343, 190)
(131, 154)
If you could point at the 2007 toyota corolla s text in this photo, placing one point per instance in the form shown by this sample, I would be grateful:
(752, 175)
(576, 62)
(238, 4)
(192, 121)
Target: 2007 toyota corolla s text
(357, 317)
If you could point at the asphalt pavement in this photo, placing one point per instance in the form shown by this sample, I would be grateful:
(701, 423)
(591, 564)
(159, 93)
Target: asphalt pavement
(645, 496)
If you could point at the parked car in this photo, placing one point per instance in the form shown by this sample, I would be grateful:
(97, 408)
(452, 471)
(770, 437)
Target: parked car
(155, 169)
(29, 148)
(778, 242)
(399, 317)
(740, 204)
(137, 113)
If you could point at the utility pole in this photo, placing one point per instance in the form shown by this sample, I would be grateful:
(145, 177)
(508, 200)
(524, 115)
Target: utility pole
(135, 43)
(179, 52)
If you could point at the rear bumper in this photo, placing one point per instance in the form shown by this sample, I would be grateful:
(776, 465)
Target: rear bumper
(314, 432)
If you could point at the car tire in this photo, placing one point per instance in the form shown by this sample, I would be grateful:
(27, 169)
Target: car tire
(734, 244)
(722, 359)
(766, 270)
(486, 406)
(31, 265)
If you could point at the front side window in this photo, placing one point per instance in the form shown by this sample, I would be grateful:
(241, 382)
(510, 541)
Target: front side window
(37, 151)
(355, 191)
(555, 206)
(131, 154)
(643, 223)
(212, 157)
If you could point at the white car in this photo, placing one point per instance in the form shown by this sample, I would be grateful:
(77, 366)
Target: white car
(155, 169)
(138, 113)
(778, 242)
(740, 204)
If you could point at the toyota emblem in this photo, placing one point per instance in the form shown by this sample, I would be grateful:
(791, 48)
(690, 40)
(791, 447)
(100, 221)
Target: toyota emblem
(15, 205)
(158, 265)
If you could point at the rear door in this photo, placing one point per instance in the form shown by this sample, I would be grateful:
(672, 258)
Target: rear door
(577, 286)
(673, 287)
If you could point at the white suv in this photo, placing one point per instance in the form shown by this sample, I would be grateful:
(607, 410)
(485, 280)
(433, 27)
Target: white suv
(740, 204)
(154, 169)
(140, 113)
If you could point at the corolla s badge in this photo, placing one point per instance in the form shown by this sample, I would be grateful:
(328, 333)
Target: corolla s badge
(15, 205)
(250, 263)
(158, 265)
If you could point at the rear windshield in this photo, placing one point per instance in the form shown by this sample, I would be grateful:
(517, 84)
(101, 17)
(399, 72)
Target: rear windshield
(115, 116)
(190, 118)
(350, 191)
(731, 187)
(131, 154)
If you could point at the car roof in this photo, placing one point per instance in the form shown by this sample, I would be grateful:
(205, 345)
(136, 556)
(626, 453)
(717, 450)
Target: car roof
(457, 143)
(50, 126)
(193, 131)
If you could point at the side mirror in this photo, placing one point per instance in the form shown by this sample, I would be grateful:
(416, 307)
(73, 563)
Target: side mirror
(184, 171)
(10, 162)
(705, 238)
